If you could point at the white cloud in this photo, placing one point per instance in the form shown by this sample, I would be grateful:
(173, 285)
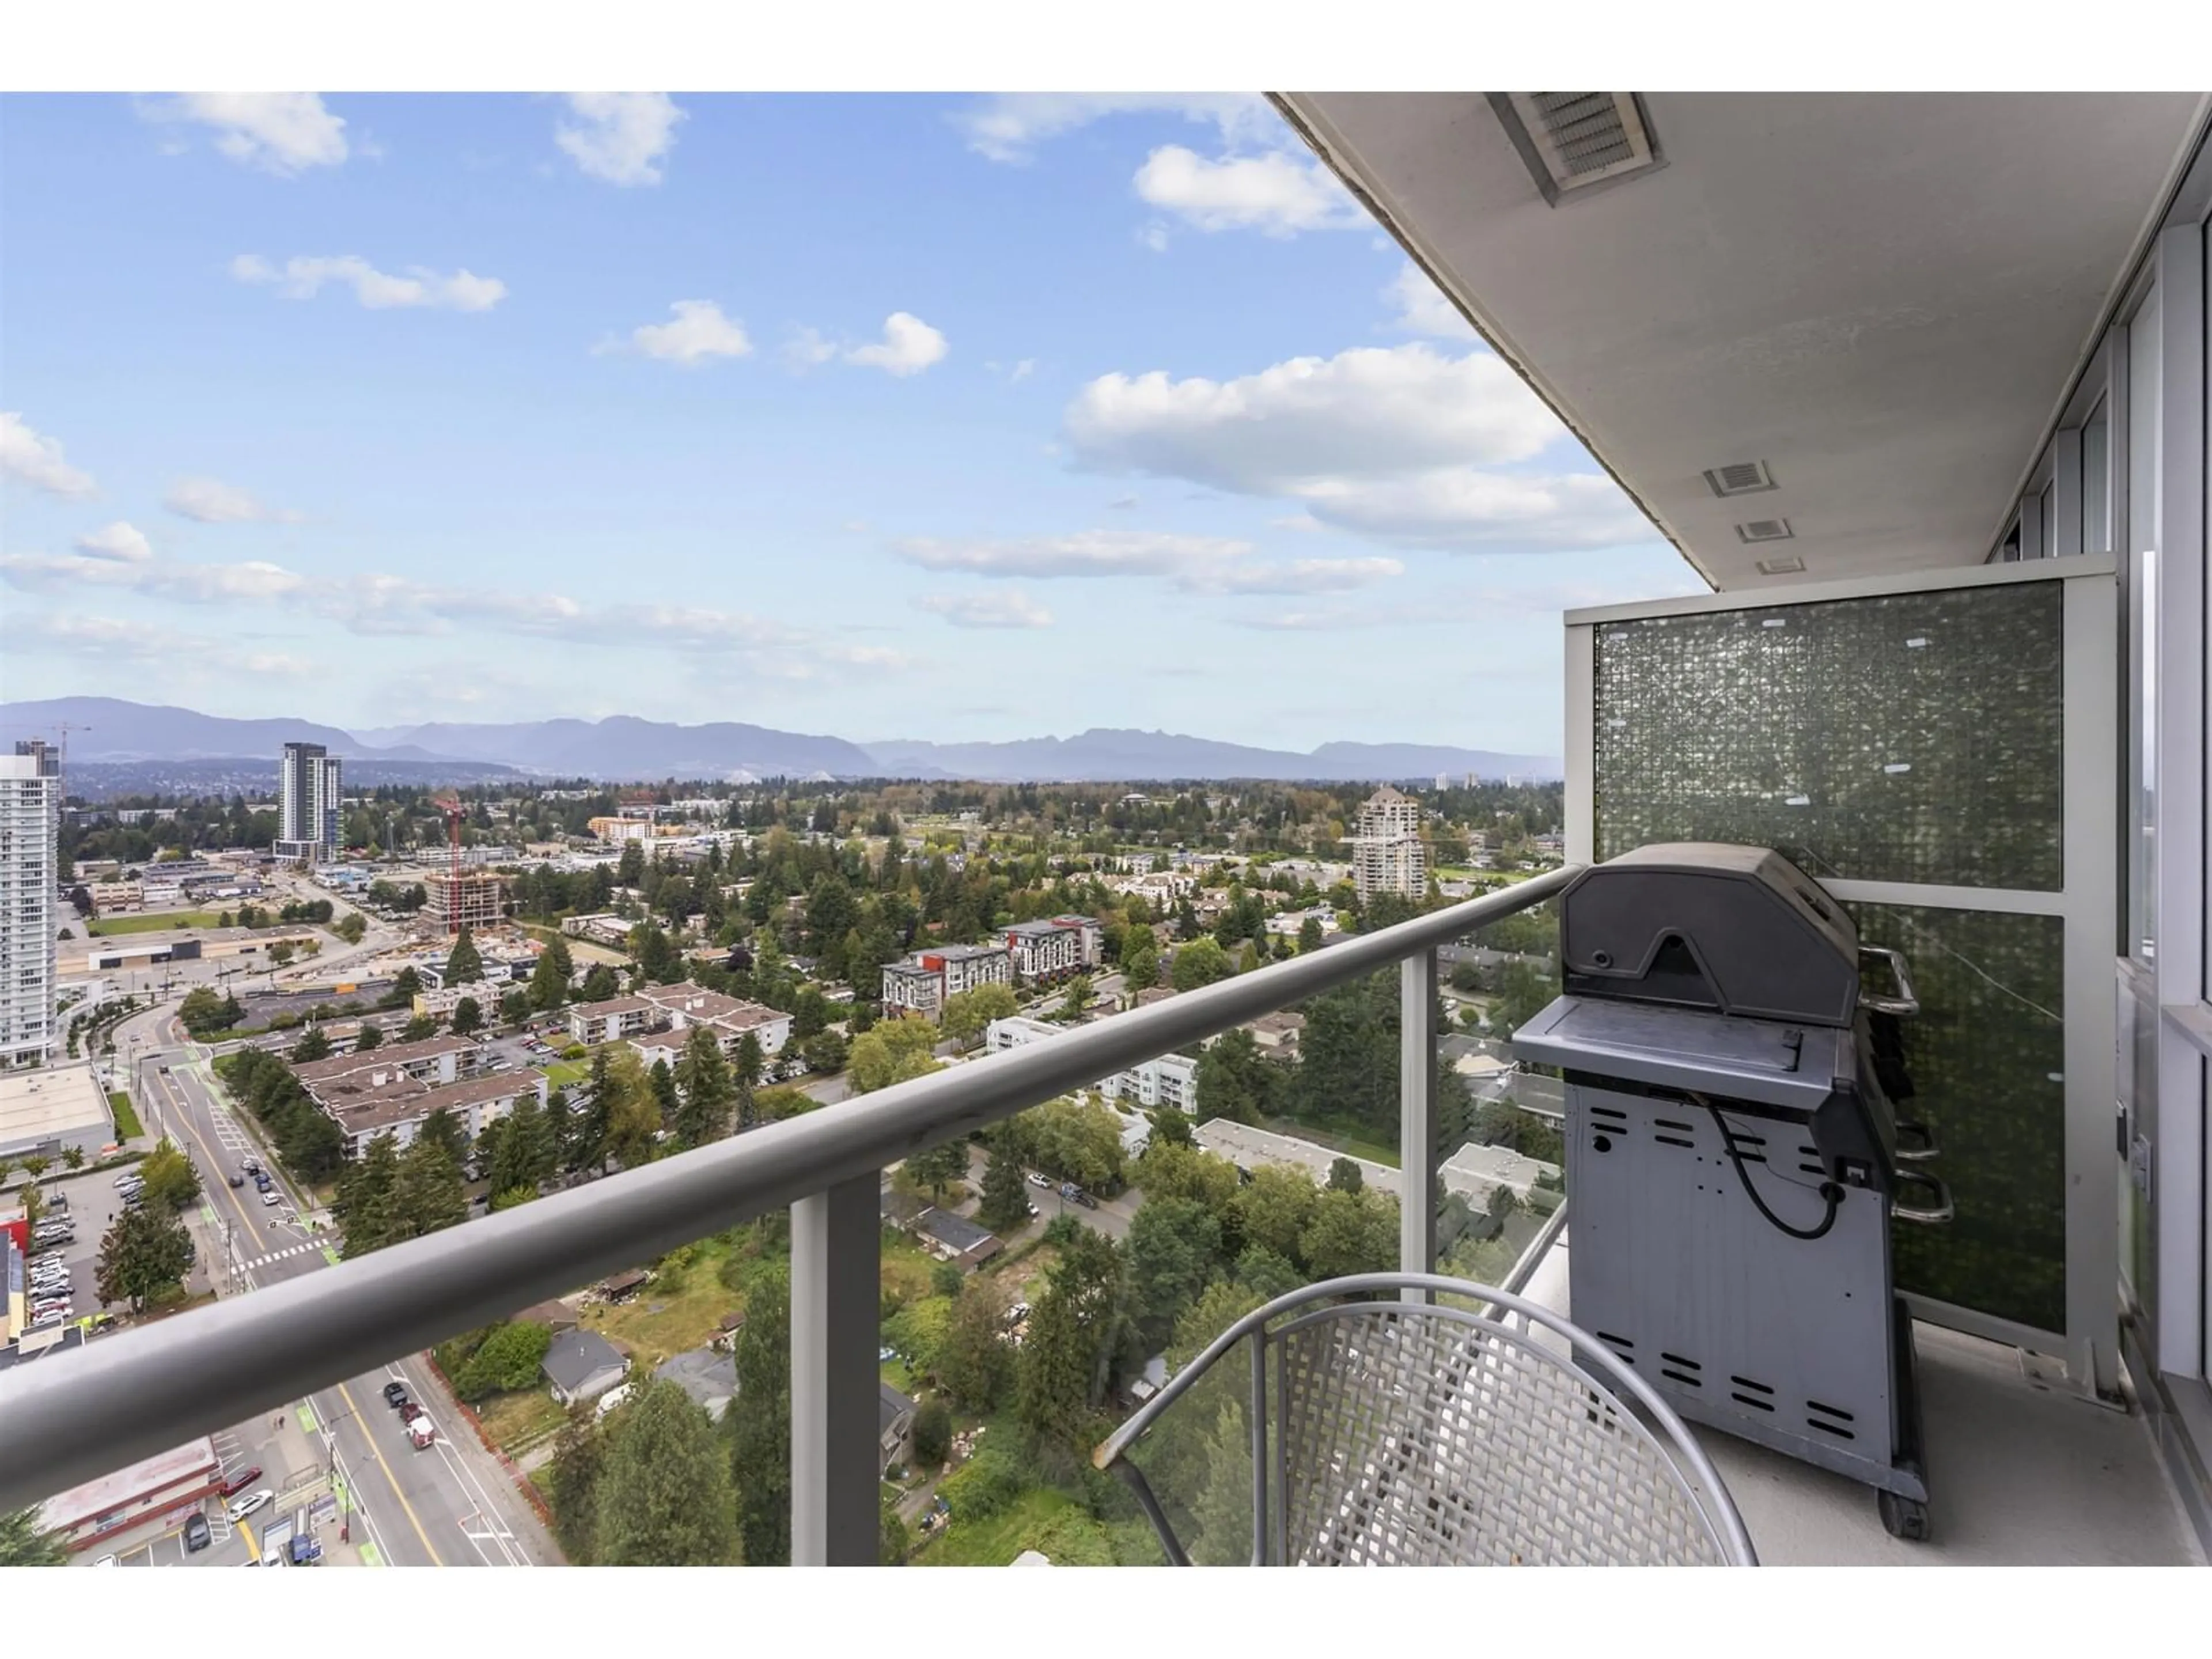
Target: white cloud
(1000, 609)
(1154, 236)
(1086, 553)
(1298, 576)
(279, 132)
(112, 639)
(620, 137)
(908, 346)
(211, 501)
(302, 277)
(807, 349)
(191, 584)
(699, 331)
(1273, 192)
(1008, 126)
(1420, 308)
(36, 459)
(120, 541)
(1400, 445)
(1370, 411)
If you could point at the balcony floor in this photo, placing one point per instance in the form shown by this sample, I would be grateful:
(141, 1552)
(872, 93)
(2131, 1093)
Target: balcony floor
(2019, 1474)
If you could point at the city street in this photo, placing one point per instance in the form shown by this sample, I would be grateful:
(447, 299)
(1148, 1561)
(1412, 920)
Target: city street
(449, 1505)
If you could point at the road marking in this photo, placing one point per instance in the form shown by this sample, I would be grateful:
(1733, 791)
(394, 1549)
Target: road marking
(370, 1558)
(246, 1532)
(289, 1251)
(307, 1424)
(375, 1451)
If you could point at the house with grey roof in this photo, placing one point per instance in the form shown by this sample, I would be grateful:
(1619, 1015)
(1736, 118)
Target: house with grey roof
(895, 1418)
(708, 1377)
(582, 1365)
(956, 1238)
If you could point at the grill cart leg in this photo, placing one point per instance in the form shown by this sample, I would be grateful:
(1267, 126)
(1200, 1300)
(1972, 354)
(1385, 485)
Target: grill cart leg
(1902, 1517)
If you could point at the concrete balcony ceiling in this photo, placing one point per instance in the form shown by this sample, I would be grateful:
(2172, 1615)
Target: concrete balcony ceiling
(1884, 297)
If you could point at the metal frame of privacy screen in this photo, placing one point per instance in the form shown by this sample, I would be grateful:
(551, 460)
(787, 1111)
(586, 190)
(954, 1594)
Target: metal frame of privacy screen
(1939, 748)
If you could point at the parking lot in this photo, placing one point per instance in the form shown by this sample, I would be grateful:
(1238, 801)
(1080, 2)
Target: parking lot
(259, 1457)
(94, 1204)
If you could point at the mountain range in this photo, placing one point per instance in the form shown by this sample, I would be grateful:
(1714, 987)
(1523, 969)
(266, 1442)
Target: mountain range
(622, 747)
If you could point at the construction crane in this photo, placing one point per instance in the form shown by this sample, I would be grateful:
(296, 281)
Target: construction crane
(452, 807)
(64, 727)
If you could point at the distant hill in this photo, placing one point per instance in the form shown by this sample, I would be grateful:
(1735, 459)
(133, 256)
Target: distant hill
(622, 748)
(1106, 756)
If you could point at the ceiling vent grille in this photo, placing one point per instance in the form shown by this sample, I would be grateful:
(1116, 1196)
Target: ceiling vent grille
(1789, 565)
(1575, 141)
(1765, 529)
(1740, 478)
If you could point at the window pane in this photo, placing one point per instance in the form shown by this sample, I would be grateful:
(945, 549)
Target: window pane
(2143, 536)
(2097, 484)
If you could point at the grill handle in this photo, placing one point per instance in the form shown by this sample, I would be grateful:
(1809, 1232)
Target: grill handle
(1934, 1215)
(1924, 1138)
(1904, 1005)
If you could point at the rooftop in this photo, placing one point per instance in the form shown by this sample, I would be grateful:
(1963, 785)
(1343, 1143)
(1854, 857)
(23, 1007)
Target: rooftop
(176, 1467)
(48, 1102)
(390, 1056)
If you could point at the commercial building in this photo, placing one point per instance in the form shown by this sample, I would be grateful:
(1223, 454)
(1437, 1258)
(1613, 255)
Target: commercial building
(309, 794)
(921, 984)
(30, 825)
(1386, 854)
(46, 1110)
(472, 899)
(167, 1484)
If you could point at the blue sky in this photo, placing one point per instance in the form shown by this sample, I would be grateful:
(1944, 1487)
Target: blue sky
(886, 417)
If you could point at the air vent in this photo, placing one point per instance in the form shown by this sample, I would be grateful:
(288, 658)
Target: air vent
(1575, 141)
(1788, 565)
(1740, 478)
(1765, 529)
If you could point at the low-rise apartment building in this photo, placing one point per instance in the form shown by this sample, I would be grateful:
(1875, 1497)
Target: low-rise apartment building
(611, 1020)
(921, 984)
(434, 1061)
(1170, 1079)
(730, 1018)
(400, 1106)
(1288, 922)
(1044, 950)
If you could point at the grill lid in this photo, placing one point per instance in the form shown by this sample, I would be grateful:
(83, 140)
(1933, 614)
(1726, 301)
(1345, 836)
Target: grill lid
(1718, 1055)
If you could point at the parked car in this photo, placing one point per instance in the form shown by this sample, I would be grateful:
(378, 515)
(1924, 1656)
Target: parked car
(125, 1179)
(410, 1410)
(239, 1508)
(268, 1196)
(107, 1561)
(239, 1482)
(238, 1180)
(1036, 1180)
(196, 1536)
(395, 1394)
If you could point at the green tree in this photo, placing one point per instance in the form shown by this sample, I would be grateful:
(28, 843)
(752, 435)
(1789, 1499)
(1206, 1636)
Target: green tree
(1140, 963)
(1310, 935)
(758, 1421)
(747, 1067)
(1080, 1326)
(890, 1053)
(1200, 963)
(599, 985)
(351, 927)
(281, 953)
(1273, 1209)
(172, 1182)
(445, 1130)
(1077, 1003)
(143, 1253)
(579, 1459)
(933, 1433)
(311, 1047)
(1235, 1080)
(629, 869)
(370, 1036)
(549, 984)
(664, 1498)
(465, 966)
(1344, 1176)
(1348, 1055)
(975, 1364)
(937, 1167)
(1174, 1251)
(1005, 1203)
(893, 1541)
(467, 1017)
(1170, 1170)
(702, 1078)
(513, 1006)
(23, 1545)
(662, 1081)
(966, 1014)
(419, 1029)
(427, 1195)
(632, 1112)
(406, 985)
(1349, 1233)
(825, 1052)
(525, 1154)
(506, 1361)
(205, 1013)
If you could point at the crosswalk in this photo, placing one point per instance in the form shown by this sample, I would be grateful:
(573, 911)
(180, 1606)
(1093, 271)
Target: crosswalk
(279, 1256)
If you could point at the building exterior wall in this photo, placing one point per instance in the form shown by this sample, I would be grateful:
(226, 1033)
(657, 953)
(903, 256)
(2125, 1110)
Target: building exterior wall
(466, 901)
(309, 793)
(30, 824)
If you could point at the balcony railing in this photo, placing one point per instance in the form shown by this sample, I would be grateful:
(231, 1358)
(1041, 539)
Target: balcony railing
(139, 1394)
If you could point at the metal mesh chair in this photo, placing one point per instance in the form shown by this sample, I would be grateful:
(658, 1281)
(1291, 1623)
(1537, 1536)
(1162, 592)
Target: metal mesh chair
(1402, 1432)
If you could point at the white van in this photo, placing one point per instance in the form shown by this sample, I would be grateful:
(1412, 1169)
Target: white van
(613, 1398)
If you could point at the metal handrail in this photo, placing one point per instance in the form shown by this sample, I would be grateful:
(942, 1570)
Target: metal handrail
(138, 1393)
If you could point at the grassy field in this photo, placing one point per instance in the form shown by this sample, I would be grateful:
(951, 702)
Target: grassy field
(126, 1121)
(156, 921)
(516, 1419)
(679, 1311)
(1336, 1139)
(565, 1074)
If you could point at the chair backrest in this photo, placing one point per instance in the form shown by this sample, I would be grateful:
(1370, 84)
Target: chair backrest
(1415, 1432)
(1413, 1436)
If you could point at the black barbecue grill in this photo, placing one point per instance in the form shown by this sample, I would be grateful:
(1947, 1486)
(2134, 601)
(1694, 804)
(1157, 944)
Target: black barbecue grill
(1735, 1157)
